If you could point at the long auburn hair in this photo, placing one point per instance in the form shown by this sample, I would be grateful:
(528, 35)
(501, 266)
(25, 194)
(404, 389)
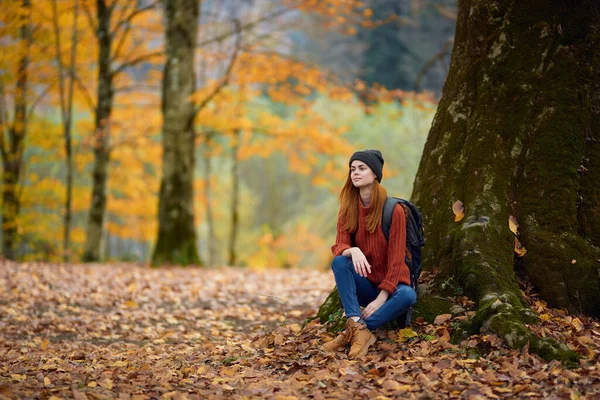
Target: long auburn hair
(349, 198)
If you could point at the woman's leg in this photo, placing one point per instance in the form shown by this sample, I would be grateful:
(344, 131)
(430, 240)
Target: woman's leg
(403, 297)
(354, 290)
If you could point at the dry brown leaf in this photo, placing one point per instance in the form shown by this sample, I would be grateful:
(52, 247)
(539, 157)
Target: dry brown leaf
(459, 210)
(519, 249)
(394, 386)
(77, 395)
(513, 225)
(577, 324)
(545, 317)
(585, 340)
(445, 336)
(442, 318)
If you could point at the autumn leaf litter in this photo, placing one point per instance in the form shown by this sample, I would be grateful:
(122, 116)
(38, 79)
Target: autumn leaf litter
(125, 331)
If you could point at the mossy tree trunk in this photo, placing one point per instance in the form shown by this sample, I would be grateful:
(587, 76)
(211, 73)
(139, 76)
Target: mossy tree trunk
(517, 132)
(176, 242)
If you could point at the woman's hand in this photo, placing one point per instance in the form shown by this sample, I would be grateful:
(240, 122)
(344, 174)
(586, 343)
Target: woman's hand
(361, 265)
(375, 304)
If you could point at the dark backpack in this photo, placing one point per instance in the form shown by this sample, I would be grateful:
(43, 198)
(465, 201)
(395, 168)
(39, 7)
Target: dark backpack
(415, 240)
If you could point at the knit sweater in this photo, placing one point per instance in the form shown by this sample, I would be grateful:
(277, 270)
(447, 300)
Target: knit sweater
(388, 267)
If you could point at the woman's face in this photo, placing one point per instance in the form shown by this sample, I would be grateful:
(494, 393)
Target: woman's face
(361, 174)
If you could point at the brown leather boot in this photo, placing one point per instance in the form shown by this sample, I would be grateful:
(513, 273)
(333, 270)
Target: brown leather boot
(361, 339)
(341, 340)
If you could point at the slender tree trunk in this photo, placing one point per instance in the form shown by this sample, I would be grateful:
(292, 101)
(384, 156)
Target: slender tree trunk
(517, 132)
(235, 197)
(211, 245)
(176, 241)
(101, 135)
(12, 153)
(66, 102)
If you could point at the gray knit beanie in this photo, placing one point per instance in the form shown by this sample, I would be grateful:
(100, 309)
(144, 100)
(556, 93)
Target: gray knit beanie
(372, 158)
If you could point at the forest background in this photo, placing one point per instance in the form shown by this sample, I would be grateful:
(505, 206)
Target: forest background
(285, 91)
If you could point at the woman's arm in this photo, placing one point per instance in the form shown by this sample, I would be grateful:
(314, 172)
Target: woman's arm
(397, 271)
(343, 241)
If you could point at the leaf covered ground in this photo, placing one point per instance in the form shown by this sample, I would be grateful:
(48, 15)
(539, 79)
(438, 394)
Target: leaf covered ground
(131, 332)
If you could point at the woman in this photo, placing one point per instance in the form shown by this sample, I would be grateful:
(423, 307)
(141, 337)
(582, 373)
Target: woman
(368, 271)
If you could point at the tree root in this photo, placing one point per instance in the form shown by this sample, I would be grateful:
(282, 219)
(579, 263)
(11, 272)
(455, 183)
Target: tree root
(498, 314)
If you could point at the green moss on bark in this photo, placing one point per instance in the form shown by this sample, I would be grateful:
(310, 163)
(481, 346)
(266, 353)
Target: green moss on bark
(518, 119)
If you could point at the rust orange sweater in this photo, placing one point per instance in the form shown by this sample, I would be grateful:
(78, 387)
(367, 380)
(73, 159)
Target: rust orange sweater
(388, 267)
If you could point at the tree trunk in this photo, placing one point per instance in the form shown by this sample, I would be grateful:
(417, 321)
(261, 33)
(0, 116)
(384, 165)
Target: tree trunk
(517, 133)
(12, 153)
(235, 194)
(176, 242)
(101, 135)
(66, 105)
(211, 247)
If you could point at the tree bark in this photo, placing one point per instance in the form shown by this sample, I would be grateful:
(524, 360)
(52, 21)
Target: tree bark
(101, 134)
(66, 105)
(176, 241)
(211, 242)
(517, 133)
(235, 197)
(12, 152)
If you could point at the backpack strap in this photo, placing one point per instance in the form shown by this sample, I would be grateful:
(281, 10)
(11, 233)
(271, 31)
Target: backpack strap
(388, 211)
(386, 223)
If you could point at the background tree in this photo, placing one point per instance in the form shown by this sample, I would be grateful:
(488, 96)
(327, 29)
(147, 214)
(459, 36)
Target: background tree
(114, 25)
(176, 241)
(12, 133)
(66, 109)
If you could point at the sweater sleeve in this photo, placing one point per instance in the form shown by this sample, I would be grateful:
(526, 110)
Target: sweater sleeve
(397, 271)
(343, 240)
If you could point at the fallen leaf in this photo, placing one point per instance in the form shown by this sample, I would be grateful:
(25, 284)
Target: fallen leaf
(395, 386)
(513, 225)
(459, 210)
(545, 317)
(405, 334)
(577, 324)
(519, 249)
(445, 336)
(442, 318)
(585, 340)
(44, 344)
(279, 339)
(131, 304)
(79, 395)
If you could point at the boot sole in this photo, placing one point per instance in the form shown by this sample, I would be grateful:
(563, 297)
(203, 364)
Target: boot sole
(365, 348)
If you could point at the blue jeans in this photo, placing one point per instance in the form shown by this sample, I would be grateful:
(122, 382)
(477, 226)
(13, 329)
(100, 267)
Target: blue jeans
(356, 291)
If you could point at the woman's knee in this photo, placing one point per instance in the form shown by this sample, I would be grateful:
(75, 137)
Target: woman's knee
(408, 294)
(340, 262)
